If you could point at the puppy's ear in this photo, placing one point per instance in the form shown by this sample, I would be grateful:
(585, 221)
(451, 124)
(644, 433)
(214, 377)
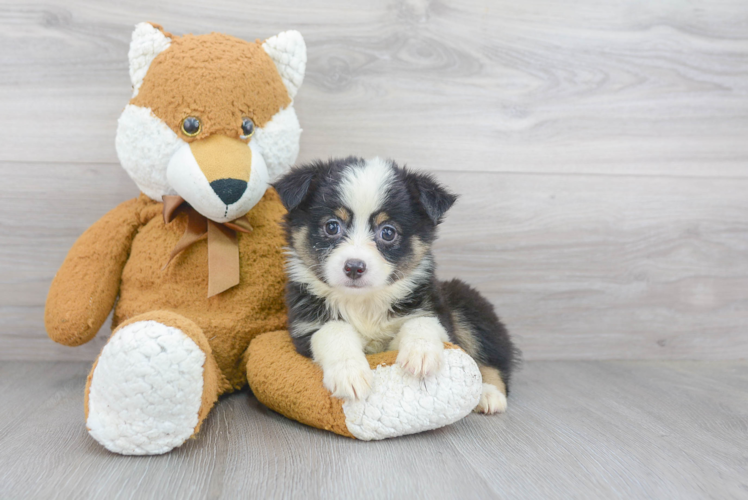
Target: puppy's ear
(434, 198)
(294, 186)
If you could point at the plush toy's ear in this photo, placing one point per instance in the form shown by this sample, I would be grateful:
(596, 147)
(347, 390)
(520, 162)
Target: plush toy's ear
(294, 186)
(433, 197)
(148, 41)
(288, 52)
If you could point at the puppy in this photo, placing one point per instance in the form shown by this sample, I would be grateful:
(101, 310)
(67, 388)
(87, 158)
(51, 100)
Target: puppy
(362, 278)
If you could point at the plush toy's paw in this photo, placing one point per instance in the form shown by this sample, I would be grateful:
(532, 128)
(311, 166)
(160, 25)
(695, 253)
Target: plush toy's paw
(349, 380)
(146, 390)
(492, 400)
(398, 403)
(421, 357)
(401, 404)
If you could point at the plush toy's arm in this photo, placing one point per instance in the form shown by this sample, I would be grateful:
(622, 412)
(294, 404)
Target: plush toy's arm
(84, 289)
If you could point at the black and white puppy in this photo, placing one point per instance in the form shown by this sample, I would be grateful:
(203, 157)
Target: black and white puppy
(362, 278)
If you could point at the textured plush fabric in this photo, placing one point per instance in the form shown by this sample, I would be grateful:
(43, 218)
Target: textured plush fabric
(214, 383)
(221, 69)
(279, 142)
(146, 392)
(288, 51)
(287, 382)
(174, 349)
(85, 287)
(132, 243)
(148, 41)
(400, 404)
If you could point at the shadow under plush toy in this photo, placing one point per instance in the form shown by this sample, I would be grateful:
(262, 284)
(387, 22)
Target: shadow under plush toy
(195, 264)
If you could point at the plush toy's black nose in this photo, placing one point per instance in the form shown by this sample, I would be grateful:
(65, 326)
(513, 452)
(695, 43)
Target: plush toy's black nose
(354, 269)
(229, 190)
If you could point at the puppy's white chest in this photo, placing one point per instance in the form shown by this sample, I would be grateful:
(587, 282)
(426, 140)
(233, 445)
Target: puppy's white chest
(374, 325)
(370, 316)
(377, 337)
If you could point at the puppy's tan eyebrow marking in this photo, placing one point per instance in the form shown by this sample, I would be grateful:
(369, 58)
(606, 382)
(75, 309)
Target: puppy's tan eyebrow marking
(342, 214)
(298, 242)
(381, 218)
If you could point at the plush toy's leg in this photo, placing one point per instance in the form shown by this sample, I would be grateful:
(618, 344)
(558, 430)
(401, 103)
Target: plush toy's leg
(399, 403)
(153, 385)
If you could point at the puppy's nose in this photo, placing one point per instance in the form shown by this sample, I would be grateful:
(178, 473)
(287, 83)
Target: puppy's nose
(229, 190)
(354, 269)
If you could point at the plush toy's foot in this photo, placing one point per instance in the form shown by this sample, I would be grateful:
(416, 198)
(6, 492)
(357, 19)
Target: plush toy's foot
(399, 403)
(148, 387)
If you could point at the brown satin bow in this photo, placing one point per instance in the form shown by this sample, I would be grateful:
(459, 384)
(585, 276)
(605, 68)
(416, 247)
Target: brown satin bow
(223, 248)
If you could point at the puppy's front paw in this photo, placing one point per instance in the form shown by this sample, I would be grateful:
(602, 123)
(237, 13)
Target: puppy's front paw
(348, 379)
(492, 400)
(421, 357)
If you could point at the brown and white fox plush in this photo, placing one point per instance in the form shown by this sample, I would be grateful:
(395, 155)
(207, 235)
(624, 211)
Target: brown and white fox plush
(194, 267)
(210, 122)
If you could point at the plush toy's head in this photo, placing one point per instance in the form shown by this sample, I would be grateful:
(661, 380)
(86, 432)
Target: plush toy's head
(211, 118)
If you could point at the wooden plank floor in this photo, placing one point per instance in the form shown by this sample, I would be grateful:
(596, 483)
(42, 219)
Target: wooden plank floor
(585, 429)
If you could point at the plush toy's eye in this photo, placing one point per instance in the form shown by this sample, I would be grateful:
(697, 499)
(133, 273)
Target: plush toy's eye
(248, 128)
(388, 233)
(191, 126)
(332, 227)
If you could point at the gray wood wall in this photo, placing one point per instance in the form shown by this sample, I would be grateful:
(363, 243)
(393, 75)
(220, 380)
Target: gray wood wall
(600, 147)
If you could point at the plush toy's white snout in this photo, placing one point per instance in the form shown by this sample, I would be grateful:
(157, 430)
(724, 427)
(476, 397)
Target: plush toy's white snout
(222, 178)
(161, 163)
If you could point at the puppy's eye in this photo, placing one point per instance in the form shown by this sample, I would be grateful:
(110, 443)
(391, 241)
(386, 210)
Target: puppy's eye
(248, 128)
(388, 233)
(332, 227)
(191, 126)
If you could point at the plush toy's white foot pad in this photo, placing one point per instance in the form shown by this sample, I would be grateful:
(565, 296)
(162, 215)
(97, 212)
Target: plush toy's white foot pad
(146, 390)
(401, 404)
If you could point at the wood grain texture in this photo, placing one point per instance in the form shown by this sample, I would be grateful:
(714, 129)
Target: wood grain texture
(574, 429)
(599, 149)
(586, 267)
(539, 86)
(658, 269)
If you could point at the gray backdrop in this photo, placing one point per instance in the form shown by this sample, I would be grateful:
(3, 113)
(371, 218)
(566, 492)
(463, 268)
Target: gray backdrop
(600, 149)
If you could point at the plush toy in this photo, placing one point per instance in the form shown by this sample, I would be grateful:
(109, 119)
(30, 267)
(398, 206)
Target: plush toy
(194, 266)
